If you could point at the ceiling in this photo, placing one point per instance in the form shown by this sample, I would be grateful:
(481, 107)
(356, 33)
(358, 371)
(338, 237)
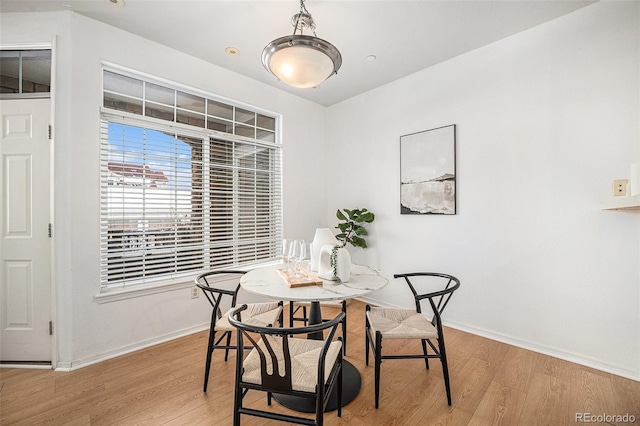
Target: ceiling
(404, 36)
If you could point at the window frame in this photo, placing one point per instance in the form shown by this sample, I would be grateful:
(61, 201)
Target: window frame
(117, 291)
(21, 94)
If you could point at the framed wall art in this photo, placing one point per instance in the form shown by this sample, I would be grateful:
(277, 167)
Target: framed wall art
(428, 171)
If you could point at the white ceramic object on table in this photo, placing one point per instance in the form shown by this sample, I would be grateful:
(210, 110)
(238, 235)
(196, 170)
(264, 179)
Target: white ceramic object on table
(322, 237)
(343, 264)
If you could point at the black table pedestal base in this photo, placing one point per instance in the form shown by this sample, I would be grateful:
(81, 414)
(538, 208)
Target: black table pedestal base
(351, 383)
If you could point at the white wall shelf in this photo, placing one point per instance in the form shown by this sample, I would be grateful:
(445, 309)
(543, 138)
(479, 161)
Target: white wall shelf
(623, 203)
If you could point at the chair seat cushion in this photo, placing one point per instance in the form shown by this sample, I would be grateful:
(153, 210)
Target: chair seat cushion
(400, 324)
(305, 355)
(258, 314)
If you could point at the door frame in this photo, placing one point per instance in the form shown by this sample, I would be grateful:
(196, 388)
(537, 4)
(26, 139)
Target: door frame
(51, 45)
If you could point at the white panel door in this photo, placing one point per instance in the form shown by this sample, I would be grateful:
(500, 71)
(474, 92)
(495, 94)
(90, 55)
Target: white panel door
(25, 249)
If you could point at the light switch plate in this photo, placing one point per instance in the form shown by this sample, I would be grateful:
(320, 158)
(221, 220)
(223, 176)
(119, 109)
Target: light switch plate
(620, 187)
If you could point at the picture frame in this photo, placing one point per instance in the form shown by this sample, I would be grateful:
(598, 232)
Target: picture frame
(428, 172)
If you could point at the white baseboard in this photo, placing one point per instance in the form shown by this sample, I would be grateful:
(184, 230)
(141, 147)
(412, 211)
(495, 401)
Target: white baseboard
(74, 365)
(547, 350)
(27, 366)
(532, 346)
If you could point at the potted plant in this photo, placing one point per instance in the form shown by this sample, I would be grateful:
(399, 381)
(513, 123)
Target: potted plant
(352, 231)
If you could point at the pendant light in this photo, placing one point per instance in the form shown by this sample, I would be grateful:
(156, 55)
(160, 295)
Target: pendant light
(301, 60)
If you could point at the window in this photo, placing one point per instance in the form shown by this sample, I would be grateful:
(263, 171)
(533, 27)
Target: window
(188, 183)
(25, 73)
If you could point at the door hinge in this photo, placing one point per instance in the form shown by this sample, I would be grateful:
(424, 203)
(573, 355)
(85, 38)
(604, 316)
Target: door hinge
(50, 328)
(49, 134)
(50, 230)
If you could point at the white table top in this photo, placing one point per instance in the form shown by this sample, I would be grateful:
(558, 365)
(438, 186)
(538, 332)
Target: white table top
(265, 281)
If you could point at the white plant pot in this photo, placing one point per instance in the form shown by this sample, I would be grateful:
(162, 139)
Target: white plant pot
(343, 264)
(322, 237)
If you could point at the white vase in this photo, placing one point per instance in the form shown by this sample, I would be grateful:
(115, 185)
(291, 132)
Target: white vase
(323, 237)
(343, 264)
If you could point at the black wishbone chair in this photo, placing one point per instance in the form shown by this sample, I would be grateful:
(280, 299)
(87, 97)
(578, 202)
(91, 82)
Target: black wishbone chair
(284, 361)
(393, 323)
(295, 307)
(265, 314)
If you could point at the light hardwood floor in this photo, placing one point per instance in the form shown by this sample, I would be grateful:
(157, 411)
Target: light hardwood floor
(492, 383)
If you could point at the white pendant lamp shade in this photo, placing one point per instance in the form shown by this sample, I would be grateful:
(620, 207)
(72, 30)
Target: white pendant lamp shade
(301, 61)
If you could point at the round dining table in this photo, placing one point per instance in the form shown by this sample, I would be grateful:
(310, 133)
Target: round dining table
(266, 281)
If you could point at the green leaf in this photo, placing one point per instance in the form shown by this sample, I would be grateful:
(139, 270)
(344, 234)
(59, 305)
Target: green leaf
(340, 215)
(358, 242)
(361, 230)
(367, 217)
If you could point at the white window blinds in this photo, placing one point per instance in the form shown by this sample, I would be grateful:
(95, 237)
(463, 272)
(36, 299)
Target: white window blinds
(176, 201)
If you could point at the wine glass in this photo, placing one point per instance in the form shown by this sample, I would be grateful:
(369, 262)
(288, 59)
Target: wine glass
(286, 244)
(302, 255)
(305, 263)
(294, 254)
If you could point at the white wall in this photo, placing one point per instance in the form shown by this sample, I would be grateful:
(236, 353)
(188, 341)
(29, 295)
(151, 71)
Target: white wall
(86, 330)
(546, 119)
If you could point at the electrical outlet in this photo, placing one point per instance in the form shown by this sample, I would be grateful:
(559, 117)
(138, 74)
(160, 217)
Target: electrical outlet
(620, 187)
(195, 293)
